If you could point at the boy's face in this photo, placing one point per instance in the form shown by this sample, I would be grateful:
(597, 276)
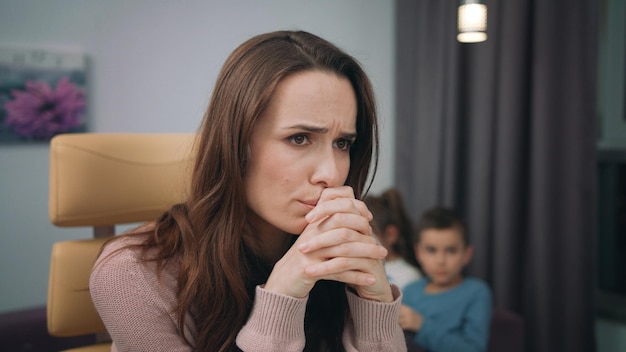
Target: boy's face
(442, 254)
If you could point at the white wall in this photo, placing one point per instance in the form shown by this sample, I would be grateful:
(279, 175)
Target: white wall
(152, 68)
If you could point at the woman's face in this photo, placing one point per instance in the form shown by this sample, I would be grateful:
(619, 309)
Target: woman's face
(300, 146)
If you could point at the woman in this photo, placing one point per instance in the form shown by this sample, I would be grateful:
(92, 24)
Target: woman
(271, 250)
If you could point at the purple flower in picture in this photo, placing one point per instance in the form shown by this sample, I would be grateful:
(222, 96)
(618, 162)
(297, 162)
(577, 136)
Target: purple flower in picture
(40, 112)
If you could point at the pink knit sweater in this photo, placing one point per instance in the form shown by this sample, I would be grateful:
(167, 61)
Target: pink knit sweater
(137, 307)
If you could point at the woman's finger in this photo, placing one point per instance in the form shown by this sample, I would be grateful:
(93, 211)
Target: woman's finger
(338, 205)
(333, 268)
(336, 237)
(330, 207)
(352, 250)
(336, 192)
(351, 277)
(366, 276)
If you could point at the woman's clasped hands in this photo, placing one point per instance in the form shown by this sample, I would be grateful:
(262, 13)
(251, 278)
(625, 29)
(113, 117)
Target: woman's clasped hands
(337, 244)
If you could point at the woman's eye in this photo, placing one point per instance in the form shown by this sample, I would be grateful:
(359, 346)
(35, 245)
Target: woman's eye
(343, 144)
(298, 139)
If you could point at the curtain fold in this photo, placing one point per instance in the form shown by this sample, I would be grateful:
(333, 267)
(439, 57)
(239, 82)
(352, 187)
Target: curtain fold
(504, 132)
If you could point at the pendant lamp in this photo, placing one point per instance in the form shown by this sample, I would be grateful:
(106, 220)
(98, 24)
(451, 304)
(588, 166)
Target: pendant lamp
(472, 18)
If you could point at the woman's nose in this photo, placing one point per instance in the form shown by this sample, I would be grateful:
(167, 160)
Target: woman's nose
(327, 170)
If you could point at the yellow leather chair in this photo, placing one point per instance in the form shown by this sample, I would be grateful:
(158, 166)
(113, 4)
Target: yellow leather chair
(101, 180)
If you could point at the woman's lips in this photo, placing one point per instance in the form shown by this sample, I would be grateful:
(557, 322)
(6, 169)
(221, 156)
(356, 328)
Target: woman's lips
(309, 204)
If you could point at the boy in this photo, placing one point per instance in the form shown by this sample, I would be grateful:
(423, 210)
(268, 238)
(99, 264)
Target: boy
(445, 310)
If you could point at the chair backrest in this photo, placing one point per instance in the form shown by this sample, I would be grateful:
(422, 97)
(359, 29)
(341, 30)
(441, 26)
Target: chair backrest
(70, 311)
(100, 180)
(103, 179)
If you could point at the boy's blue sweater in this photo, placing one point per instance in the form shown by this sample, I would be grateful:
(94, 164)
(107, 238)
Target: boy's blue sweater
(454, 320)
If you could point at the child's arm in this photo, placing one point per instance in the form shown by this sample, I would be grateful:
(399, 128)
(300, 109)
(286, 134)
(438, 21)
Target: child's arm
(410, 320)
(472, 336)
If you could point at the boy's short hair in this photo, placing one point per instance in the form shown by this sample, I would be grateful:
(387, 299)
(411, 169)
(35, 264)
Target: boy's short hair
(441, 218)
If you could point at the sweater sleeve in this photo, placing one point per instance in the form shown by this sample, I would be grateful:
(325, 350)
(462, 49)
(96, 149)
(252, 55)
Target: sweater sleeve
(135, 307)
(374, 325)
(276, 323)
(472, 336)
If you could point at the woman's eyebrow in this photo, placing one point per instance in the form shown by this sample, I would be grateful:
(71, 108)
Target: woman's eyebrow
(349, 136)
(308, 128)
(320, 130)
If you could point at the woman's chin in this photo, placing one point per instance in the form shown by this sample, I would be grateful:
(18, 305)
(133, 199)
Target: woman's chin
(296, 227)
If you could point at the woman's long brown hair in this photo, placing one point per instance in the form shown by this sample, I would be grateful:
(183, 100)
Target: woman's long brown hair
(218, 271)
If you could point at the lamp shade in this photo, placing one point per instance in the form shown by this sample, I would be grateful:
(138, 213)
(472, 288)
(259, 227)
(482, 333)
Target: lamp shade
(472, 22)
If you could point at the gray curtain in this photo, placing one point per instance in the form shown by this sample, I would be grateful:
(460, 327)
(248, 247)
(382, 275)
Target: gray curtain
(504, 132)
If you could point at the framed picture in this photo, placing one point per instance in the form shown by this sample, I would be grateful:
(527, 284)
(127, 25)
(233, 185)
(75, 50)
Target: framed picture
(42, 93)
